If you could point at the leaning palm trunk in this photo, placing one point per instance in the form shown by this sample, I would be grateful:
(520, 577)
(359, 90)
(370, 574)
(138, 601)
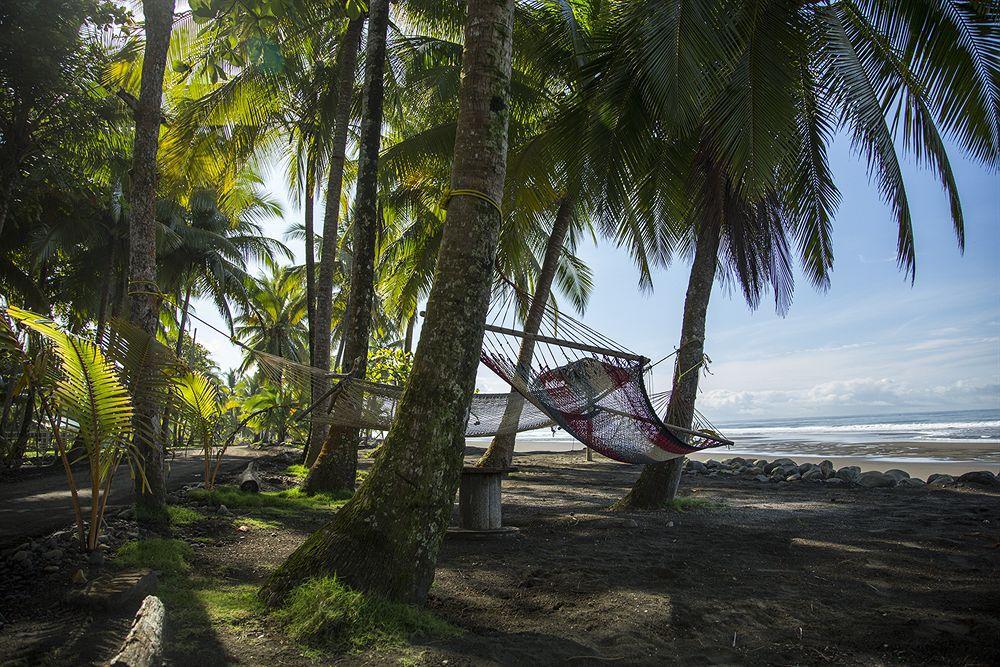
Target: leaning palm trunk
(385, 540)
(150, 498)
(336, 467)
(657, 485)
(347, 63)
(501, 449)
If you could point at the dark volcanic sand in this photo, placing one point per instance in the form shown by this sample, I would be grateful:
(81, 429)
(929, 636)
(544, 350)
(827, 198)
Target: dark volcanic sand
(782, 574)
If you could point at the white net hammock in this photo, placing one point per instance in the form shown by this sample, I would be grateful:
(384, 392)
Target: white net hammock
(578, 381)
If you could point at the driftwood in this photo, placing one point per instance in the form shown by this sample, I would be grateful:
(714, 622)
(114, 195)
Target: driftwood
(249, 481)
(143, 647)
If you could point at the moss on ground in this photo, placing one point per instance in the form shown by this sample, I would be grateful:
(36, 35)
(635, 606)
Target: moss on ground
(291, 500)
(165, 555)
(297, 470)
(324, 614)
(259, 524)
(183, 516)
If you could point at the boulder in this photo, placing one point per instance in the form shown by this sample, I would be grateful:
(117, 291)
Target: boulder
(897, 474)
(754, 470)
(984, 477)
(912, 481)
(835, 481)
(696, 466)
(876, 480)
(939, 479)
(849, 473)
(813, 475)
(712, 463)
(779, 463)
(736, 461)
(761, 478)
(826, 467)
(778, 474)
(794, 477)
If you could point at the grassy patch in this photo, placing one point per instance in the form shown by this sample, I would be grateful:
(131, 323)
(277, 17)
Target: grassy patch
(297, 470)
(156, 554)
(182, 516)
(323, 613)
(259, 524)
(685, 503)
(291, 499)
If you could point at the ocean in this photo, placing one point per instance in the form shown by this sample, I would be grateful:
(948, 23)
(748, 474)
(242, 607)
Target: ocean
(965, 436)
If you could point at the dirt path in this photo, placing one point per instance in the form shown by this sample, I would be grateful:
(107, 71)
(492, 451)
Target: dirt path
(40, 504)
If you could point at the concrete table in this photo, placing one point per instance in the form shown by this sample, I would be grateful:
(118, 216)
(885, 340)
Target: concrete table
(479, 505)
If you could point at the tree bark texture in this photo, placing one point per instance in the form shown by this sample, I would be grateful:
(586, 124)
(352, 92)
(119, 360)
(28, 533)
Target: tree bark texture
(347, 64)
(385, 540)
(501, 450)
(658, 482)
(143, 304)
(336, 467)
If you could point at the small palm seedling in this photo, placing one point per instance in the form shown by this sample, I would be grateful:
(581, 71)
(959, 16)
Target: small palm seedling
(85, 401)
(201, 409)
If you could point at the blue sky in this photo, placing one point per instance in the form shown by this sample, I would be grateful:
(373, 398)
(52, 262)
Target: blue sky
(871, 344)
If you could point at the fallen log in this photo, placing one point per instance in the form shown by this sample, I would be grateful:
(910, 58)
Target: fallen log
(249, 481)
(143, 647)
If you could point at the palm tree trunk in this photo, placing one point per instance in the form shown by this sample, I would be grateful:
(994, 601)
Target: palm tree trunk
(347, 64)
(408, 336)
(336, 466)
(657, 485)
(385, 540)
(310, 261)
(501, 450)
(150, 498)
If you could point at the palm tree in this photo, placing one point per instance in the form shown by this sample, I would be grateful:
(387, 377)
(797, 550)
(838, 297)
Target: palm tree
(274, 320)
(386, 538)
(797, 75)
(335, 468)
(144, 301)
(346, 68)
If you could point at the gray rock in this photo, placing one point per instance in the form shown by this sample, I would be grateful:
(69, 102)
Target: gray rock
(735, 461)
(813, 475)
(760, 463)
(794, 477)
(778, 474)
(984, 477)
(780, 463)
(53, 555)
(826, 467)
(912, 481)
(939, 479)
(224, 511)
(834, 481)
(712, 463)
(897, 474)
(806, 467)
(24, 558)
(761, 478)
(754, 470)
(876, 480)
(849, 473)
(50, 569)
(696, 466)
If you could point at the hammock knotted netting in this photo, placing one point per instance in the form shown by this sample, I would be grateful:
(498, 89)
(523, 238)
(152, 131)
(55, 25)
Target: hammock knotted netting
(575, 379)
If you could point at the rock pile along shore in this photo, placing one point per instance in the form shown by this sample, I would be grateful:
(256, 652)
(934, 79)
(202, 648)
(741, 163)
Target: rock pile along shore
(786, 470)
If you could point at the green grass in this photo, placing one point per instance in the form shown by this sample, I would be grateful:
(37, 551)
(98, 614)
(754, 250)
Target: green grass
(260, 524)
(297, 470)
(323, 613)
(183, 516)
(292, 500)
(156, 554)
